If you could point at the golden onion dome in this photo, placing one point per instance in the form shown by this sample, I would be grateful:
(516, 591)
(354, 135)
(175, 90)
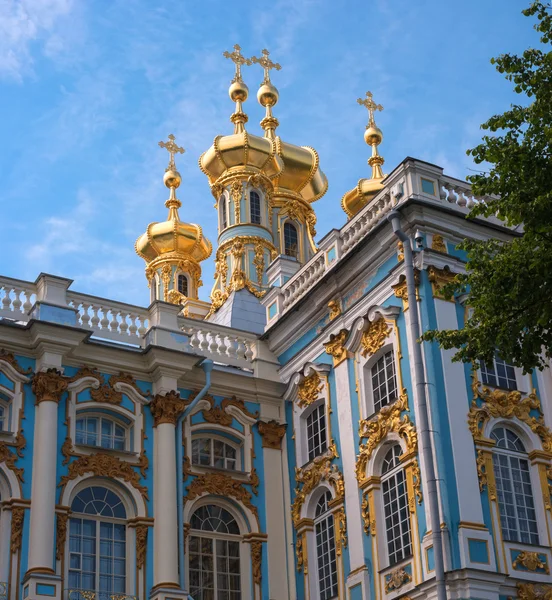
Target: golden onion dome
(301, 174)
(366, 189)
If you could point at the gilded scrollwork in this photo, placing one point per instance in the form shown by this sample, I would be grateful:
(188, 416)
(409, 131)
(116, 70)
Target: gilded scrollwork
(166, 408)
(61, 533)
(438, 243)
(335, 309)
(141, 545)
(104, 465)
(11, 360)
(340, 524)
(531, 561)
(481, 469)
(307, 479)
(439, 278)
(417, 480)
(236, 191)
(16, 536)
(388, 420)
(495, 403)
(9, 458)
(256, 560)
(272, 433)
(49, 385)
(534, 591)
(309, 389)
(397, 579)
(374, 337)
(400, 288)
(220, 484)
(336, 346)
(369, 522)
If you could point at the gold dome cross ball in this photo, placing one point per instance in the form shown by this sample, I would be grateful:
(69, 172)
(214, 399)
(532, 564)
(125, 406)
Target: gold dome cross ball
(172, 149)
(266, 64)
(238, 59)
(369, 103)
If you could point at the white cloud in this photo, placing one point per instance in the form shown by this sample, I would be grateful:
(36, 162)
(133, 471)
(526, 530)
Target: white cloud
(24, 23)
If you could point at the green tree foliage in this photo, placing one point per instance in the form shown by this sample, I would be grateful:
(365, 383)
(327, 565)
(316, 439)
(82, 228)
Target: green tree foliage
(509, 284)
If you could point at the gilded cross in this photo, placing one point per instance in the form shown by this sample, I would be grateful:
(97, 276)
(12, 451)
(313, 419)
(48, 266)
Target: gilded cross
(238, 59)
(172, 149)
(266, 64)
(369, 103)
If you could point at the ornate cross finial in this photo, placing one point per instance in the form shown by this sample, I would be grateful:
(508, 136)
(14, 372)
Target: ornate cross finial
(172, 149)
(238, 59)
(369, 103)
(266, 64)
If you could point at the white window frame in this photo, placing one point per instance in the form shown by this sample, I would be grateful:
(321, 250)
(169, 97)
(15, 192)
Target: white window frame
(14, 404)
(198, 435)
(103, 417)
(299, 244)
(321, 407)
(223, 200)
(177, 276)
(328, 518)
(261, 206)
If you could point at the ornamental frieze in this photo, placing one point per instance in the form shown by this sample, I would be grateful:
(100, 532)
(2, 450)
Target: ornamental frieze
(8, 458)
(534, 591)
(49, 385)
(375, 430)
(9, 358)
(104, 465)
(219, 415)
(308, 391)
(167, 408)
(495, 403)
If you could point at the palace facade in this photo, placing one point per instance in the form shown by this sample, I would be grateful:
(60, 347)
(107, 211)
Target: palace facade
(273, 443)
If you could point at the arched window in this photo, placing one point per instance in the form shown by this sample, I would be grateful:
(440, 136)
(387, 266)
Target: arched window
(223, 213)
(395, 506)
(316, 432)
(255, 208)
(97, 542)
(513, 488)
(182, 283)
(211, 452)
(102, 432)
(325, 549)
(384, 381)
(498, 373)
(291, 239)
(214, 554)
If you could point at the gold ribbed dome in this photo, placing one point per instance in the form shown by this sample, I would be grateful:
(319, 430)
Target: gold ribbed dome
(366, 189)
(240, 151)
(301, 174)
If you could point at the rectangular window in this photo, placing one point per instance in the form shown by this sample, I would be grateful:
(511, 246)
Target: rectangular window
(397, 518)
(327, 563)
(498, 374)
(384, 381)
(428, 187)
(316, 432)
(255, 208)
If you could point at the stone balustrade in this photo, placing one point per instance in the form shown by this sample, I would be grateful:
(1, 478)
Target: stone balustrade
(16, 298)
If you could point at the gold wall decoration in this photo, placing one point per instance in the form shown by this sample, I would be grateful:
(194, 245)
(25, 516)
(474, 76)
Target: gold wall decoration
(376, 429)
(104, 465)
(374, 337)
(301, 552)
(8, 458)
(369, 521)
(219, 414)
(439, 278)
(106, 394)
(534, 591)
(86, 371)
(61, 533)
(336, 346)
(496, 403)
(396, 579)
(400, 251)
(335, 309)
(401, 291)
(416, 480)
(254, 481)
(166, 408)
(143, 463)
(141, 545)
(438, 243)
(236, 190)
(481, 469)
(220, 484)
(20, 442)
(48, 386)
(340, 522)
(259, 262)
(272, 433)
(309, 389)
(309, 478)
(9, 358)
(531, 561)
(256, 560)
(16, 537)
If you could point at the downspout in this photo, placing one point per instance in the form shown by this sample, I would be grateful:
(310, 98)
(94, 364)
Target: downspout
(421, 396)
(207, 366)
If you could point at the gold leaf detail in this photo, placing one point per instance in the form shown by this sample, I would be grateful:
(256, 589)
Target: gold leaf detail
(396, 579)
(49, 385)
(335, 347)
(256, 561)
(141, 545)
(438, 243)
(220, 484)
(531, 561)
(272, 433)
(61, 534)
(8, 458)
(309, 390)
(10, 359)
(374, 337)
(16, 537)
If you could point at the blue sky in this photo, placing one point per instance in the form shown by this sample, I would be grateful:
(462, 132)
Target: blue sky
(88, 88)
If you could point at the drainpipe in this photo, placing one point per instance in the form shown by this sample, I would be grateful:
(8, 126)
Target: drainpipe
(421, 396)
(207, 366)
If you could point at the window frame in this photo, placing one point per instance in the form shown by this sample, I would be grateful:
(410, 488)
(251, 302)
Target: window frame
(298, 254)
(321, 407)
(178, 275)
(327, 518)
(5, 419)
(224, 222)
(238, 448)
(102, 416)
(250, 207)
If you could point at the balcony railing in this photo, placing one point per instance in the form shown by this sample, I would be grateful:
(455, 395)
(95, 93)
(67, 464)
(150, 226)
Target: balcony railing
(94, 595)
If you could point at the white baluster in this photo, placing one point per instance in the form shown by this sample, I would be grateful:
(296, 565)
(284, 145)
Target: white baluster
(461, 198)
(28, 304)
(241, 348)
(83, 314)
(95, 320)
(204, 342)
(114, 323)
(451, 197)
(248, 352)
(132, 328)
(104, 321)
(143, 326)
(6, 300)
(123, 325)
(16, 304)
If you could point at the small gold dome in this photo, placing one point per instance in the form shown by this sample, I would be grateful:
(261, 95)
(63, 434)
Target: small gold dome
(267, 95)
(354, 200)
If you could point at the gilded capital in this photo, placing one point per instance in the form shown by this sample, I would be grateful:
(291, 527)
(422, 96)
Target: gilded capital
(272, 433)
(167, 408)
(336, 347)
(48, 386)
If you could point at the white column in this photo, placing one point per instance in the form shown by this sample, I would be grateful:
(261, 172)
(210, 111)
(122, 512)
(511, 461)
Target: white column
(355, 528)
(47, 387)
(272, 434)
(165, 538)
